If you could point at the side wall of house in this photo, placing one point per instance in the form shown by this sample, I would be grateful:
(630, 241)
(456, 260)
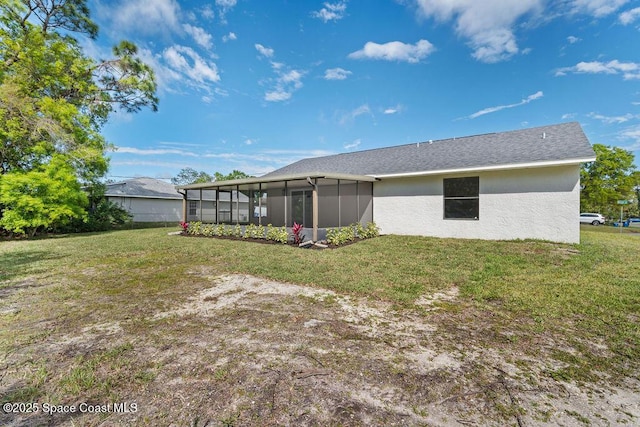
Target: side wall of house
(536, 203)
(150, 210)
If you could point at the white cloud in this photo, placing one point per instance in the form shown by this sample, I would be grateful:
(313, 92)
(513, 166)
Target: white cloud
(613, 119)
(155, 151)
(249, 141)
(489, 110)
(352, 115)
(336, 74)
(224, 7)
(165, 75)
(230, 36)
(186, 61)
(146, 16)
(632, 133)
(207, 12)
(568, 116)
(264, 51)
(331, 11)
(355, 144)
(573, 39)
(286, 83)
(395, 51)
(629, 16)
(393, 110)
(287, 80)
(488, 24)
(629, 70)
(200, 36)
(597, 8)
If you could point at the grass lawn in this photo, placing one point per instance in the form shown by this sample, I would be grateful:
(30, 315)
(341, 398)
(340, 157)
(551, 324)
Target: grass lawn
(574, 309)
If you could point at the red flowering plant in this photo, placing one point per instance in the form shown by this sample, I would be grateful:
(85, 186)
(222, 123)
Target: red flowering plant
(184, 225)
(297, 233)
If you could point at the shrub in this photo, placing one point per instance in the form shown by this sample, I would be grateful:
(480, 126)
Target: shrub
(260, 232)
(371, 230)
(251, 231)
(277, 234)
(184, 226)
(208, 230)
(237, 231)
(194, 228)
(340, 236)
(297, 233)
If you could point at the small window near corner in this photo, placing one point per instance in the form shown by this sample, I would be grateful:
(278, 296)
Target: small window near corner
(462, 198)
(193, 207)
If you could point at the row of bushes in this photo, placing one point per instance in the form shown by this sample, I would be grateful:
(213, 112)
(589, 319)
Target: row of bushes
(342, 235)
(251, 231)
(335, 236)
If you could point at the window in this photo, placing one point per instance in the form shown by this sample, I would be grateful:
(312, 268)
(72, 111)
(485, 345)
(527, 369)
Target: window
(193, 207)
(462, 198)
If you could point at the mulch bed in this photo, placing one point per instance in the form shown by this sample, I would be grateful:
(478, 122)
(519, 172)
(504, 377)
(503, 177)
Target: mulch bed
(272, 242)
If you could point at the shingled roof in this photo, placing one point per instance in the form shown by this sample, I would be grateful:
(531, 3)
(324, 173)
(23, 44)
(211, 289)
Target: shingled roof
(553, 144)
(143, 187)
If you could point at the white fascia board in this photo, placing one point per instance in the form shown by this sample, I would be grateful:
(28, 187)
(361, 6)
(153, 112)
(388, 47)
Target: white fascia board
(129, 196)
(489, 168)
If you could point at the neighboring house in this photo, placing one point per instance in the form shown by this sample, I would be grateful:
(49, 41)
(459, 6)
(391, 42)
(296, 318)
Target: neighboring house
(522, 184)
(153, 200)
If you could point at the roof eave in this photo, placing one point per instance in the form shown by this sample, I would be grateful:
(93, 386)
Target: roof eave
(512, 166)
(279, 178)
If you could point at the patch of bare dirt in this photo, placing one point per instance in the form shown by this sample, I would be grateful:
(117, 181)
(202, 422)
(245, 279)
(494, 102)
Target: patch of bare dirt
(246, 351)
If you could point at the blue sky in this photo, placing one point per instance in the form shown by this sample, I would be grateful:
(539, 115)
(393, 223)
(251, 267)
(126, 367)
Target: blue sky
(254, 85)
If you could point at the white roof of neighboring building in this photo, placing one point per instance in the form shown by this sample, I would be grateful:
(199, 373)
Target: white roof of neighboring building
(151, 188)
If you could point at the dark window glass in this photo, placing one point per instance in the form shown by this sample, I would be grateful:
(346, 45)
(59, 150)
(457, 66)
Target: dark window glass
(462, 187)
(193, 207)
(462, 198)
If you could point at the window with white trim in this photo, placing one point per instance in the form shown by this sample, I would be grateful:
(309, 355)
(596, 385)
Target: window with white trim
(462, 198)
(193, 207)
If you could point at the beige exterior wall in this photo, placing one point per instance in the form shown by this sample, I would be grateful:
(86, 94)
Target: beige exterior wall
(536, 203)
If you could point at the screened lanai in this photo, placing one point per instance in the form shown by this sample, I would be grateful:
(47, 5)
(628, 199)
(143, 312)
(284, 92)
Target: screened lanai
(313, 200)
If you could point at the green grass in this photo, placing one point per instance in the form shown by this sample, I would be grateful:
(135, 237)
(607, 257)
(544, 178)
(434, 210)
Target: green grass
(584, 296)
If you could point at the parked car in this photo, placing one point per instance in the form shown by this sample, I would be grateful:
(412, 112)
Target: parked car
(591, 218)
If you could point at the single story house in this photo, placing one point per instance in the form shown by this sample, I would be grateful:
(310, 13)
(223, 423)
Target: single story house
(154, 200)
(522, 184)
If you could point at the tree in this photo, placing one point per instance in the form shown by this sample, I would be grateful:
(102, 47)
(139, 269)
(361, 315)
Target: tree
(190, 176)
(47, 196)
(235, 174)
(54, 99)
(609, 178)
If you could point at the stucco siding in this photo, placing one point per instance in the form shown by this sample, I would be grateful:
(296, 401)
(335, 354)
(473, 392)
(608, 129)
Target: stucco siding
(536, 203)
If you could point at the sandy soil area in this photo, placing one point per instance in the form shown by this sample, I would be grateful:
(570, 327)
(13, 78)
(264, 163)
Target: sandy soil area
(247, 351)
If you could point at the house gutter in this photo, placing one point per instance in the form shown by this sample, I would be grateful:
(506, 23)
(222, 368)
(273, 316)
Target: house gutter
(529, 165)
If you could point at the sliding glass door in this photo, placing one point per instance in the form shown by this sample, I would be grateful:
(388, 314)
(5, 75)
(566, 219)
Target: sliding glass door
(302, 208)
